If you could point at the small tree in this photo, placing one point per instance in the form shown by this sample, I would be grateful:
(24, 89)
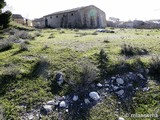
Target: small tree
(5, 19)
(102, 59)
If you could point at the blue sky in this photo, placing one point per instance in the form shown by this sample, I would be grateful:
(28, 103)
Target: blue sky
(123, 9)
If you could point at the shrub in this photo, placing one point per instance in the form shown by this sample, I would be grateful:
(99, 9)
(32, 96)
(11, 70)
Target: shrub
(102, 63)
(62, 32)
(155, 66)
(94, 33)
(24, 35)
(51, 36)
(5, 45)
(76, 30)
(5, 19)
(106, 41)
(37, 34)
(45, 47)
(23, 47)
(129, 50)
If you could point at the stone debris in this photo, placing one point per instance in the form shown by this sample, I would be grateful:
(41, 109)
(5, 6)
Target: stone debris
(86, 101)
(51, 102)
(62, 104)
(120, 118)
(94, 95)
(121, 92)
(75, 98)
(120, 80)
(145, 89)
(46, 109)
(99, 85)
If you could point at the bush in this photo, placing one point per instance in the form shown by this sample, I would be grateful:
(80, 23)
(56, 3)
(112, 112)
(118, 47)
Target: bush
(129, 50)
(37, 34)
(155, 66)
(24, 35)
(94, 33)
(51, 36)
(23, 47)
(5, 45)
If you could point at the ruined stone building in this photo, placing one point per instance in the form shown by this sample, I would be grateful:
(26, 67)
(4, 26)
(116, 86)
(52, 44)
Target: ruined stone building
(82, 17)
(18, 18)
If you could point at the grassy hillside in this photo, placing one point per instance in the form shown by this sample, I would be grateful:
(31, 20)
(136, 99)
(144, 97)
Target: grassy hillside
(29, 60)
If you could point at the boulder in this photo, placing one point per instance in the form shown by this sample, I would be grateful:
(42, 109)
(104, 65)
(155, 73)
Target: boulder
(120, 92)
(99, 85)
(120, 118)
(94, 96)
(62, 104)
(120, 81)
(75, 98)
(46, 109)
(51, 102)
(145, 89)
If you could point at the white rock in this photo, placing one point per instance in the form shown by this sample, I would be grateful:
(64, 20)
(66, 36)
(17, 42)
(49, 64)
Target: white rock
(141, 76)
(146, 89)
(86, 101)
(75, 98)
(48, 108)
(115, 87)
(113, 78)
(120, 80)
(99, 85)
(62, 104)
(66, 110)
(51, 102)
(94, 96)
(106, 85)
(30, 117)
(120, 118)
(120, 92)
(107, 89)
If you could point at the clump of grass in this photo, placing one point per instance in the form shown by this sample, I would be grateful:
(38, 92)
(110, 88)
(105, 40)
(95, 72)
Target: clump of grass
(24, 35)
(45, 47)
(155, 66)
(130, 50)
(37, 34)
(76, 30)
(26, 42)
(62, 32)
(5, 45)
(106, 41)
(94, 33)
(51, 36)
(23, 47)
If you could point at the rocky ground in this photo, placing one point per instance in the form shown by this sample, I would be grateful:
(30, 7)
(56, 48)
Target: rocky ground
(78, 103)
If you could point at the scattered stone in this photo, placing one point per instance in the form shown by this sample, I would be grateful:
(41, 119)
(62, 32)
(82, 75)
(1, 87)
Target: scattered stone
(141, 76)
(86, 101)
(107, 89)
(46, 109)
(113, 78)
(145, 89)
(62, 104)
(100, 30)
(75, 98)
(94, 96)
(120, 92)
(120, 118)
(120, 81)
(66, 110)
(115, 87)
(51, 102)
(99, 85)
(106, 85)
(30, 116)
(59, 78)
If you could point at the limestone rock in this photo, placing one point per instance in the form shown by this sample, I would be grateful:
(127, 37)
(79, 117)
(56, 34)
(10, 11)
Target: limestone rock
(120, 81)
(120, 118)
(62, 104)
(99, 85)
(86, 101)
(94, 96)
(75, 98)
(120, 92)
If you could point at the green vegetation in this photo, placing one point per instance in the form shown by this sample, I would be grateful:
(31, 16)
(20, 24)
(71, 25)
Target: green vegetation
(28, 67)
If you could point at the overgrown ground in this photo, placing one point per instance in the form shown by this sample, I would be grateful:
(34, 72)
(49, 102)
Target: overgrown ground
(28, 67)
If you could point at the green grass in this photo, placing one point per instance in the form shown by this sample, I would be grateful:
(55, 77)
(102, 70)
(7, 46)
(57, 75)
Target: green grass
(66, 49)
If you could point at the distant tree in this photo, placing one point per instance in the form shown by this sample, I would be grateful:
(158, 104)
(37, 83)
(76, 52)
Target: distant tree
(5, 17)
